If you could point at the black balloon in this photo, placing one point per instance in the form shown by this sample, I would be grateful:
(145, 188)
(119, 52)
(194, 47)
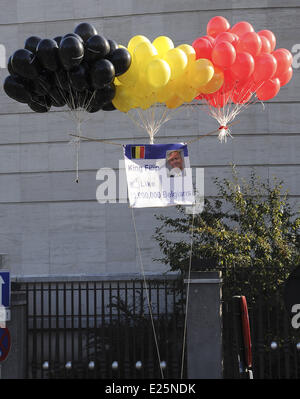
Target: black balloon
(25, 64)
(46, 80)
(121, 60)
(40, 104)
(62, 81)
(85, 31)
(37, 88)
(71, 52)
(79, 78)
(47, 54)
(42, 84)
(31, 43)
(96, 47)
(106, 94)
(109, 107)
(36, 107)
(16, 90)
(77, 69)
(102, 73)
(82, 98)
(93, 105)
(113, 46)
(9, 66)
(57, 97)
(73, 35)
(58, 39)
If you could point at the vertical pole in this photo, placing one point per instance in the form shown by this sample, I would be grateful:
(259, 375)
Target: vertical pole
(204, 326)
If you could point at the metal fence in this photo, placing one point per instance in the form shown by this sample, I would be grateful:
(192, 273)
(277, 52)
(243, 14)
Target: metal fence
(100, 329)
(103, 329)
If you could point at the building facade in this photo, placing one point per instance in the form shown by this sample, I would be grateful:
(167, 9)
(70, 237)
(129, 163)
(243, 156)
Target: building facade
(50, 225)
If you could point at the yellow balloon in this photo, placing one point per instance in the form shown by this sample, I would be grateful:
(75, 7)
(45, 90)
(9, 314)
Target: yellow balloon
(130, 77)
(142, 86)
(163, 44)
(174, 102)
(158, 73)
(143, 94)
(135, 41)
(189, 52)
(117, 82)
(177, 60)
(187, 92)
(143, 54)
(166, 92)
(122, 100)
(163, 95)
(146, 100)
(200, 72)
(214, 84)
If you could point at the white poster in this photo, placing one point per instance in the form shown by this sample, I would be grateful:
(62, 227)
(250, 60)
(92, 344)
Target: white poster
(158, 175)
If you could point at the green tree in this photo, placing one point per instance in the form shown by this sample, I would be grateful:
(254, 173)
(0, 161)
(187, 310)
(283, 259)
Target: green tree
(250, 232)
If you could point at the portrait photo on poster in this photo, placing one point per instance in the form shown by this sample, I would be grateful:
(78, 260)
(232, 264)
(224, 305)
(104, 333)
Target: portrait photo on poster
(175, 165)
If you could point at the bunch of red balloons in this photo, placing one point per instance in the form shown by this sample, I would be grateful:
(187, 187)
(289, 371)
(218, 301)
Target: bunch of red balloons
(248, 60)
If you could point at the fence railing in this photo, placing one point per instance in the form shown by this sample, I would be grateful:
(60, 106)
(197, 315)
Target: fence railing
(104, 329)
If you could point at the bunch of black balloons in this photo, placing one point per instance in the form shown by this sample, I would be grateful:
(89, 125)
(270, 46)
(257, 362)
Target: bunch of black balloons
(77, 70)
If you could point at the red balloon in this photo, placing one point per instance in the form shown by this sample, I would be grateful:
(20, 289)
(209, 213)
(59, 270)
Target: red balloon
(227, 37)
(268, 90)
(223, 54)
(217, 25)
(241, 28)
(286, 76)
(270, 36)
(265, 45)
(243, 66)
(284, 60)
(203, 48)
(237, 39)
(251, 43)
(229, 82)
(289, 54)
(265, 67)
(209, 38)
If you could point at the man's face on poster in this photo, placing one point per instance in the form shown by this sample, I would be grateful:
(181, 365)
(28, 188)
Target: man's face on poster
(175, 160)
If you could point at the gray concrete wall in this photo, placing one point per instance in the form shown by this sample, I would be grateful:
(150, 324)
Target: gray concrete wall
(51, 225)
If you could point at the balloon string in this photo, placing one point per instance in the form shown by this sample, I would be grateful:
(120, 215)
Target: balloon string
(121, 145)
(187, 296)
(97, 140)
(210, 133)
(77, 152)
(147, 294)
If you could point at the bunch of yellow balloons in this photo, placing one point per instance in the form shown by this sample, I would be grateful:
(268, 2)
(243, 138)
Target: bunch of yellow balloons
(161, 73)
